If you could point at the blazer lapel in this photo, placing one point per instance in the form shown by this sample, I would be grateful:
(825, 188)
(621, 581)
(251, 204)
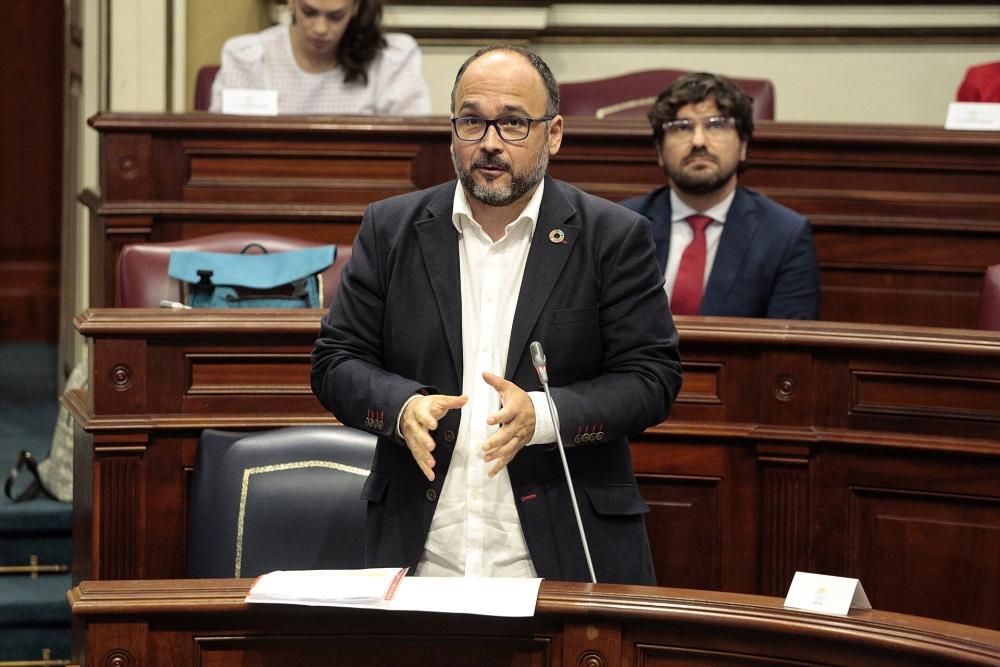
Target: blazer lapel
(741, 225)
(438, 241)
(546, 260)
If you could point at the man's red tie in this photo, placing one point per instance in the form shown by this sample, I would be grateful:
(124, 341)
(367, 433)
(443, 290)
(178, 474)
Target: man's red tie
(691, 274)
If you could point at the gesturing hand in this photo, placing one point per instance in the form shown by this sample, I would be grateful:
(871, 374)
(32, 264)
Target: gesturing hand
(419, 418)
(516, 418)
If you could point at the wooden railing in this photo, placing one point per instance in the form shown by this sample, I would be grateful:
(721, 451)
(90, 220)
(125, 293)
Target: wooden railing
(905, 219)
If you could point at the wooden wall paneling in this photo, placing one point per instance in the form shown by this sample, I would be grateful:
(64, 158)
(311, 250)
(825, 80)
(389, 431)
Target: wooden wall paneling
(905, 219)
(32, 48)
(877, 510)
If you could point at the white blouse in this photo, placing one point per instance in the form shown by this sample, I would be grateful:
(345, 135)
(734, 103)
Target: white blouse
(264, 60)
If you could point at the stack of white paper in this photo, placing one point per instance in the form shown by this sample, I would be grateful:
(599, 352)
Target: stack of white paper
(317, 587)
(389, 589)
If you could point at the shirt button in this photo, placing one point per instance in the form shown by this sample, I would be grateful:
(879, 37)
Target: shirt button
(431, 495)
(449, 436)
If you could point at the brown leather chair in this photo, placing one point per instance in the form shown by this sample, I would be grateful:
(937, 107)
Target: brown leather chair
(989, 303)
(142, 267)
(203, 87)
(631, 95)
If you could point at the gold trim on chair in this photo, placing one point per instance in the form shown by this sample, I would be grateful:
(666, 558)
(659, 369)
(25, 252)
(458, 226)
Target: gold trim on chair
(624, 106)
(294, 465)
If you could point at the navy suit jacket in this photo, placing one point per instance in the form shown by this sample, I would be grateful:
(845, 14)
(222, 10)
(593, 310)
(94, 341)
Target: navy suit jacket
(765, 265)
(596, 303)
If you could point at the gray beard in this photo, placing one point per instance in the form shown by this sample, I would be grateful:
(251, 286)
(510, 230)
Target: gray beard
(494, 194)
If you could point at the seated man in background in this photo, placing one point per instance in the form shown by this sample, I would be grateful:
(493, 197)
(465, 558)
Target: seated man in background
(724, 249)
(332, 59)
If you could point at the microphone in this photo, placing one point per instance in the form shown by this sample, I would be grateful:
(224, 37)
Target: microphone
(538, 361)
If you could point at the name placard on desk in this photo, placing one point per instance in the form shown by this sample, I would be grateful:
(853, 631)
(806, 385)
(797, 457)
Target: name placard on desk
(826, 594)
(250, 101)
(973, 116)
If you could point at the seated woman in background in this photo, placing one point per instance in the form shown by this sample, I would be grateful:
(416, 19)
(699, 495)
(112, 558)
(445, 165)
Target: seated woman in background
(332, 59)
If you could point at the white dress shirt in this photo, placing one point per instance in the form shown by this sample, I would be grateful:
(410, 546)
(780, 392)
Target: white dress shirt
(265, 60)
(681, 236)
(475, 530)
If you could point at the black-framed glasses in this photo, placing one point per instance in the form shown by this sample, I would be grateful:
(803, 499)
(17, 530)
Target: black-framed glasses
(510, 128)
(714, 127)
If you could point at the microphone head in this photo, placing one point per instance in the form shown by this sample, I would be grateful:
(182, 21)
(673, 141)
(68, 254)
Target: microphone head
(537, 356)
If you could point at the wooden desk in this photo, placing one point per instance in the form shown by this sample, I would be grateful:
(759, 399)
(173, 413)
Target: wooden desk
(205, 622)
(856, 450)
(905, 218)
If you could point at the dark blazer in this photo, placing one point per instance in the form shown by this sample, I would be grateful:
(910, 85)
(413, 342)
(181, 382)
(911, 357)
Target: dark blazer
(766, 262)
(596, 303)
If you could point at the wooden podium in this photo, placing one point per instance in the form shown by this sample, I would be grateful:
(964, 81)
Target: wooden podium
(206, 623)
(846, 449)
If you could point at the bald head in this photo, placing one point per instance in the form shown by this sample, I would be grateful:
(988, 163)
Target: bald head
(496, 55)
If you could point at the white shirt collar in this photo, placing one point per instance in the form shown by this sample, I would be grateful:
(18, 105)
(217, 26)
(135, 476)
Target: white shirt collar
(679, 211)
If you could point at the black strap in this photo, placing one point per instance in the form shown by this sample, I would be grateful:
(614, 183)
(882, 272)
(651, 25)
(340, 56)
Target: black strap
(253, 244)
(26, 460)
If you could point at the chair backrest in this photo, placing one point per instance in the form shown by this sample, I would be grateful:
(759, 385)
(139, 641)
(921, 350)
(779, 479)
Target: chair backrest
(989, 303)
(203, 87)
(142, 267)
(285, 499)
(631, 95)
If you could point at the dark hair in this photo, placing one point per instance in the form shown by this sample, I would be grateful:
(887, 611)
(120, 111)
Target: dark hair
(696, 87)
(361, 41)
(551, 87)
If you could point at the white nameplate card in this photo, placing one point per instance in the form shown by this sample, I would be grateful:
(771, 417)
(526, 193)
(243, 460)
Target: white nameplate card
(250, 101)
(826, 594)
(973, 116)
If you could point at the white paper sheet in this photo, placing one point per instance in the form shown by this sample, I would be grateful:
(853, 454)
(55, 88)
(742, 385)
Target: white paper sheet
(485, 596)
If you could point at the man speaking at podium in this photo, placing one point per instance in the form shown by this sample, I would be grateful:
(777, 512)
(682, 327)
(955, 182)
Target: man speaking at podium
(427, 346)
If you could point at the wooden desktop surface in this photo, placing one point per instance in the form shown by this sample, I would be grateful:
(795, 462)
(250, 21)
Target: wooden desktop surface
(850, 449)
(206, 622)
(905, 218)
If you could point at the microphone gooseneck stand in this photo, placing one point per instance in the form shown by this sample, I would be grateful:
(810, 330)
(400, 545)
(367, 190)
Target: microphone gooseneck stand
(538, 361)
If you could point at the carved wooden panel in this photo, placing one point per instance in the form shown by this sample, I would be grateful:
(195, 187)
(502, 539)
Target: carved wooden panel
(685, 518)
(784, 515)
(370, 651)
(118, 485)
(958, 536)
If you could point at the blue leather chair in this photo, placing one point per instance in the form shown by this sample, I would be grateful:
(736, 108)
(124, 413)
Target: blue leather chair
(285, 499)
